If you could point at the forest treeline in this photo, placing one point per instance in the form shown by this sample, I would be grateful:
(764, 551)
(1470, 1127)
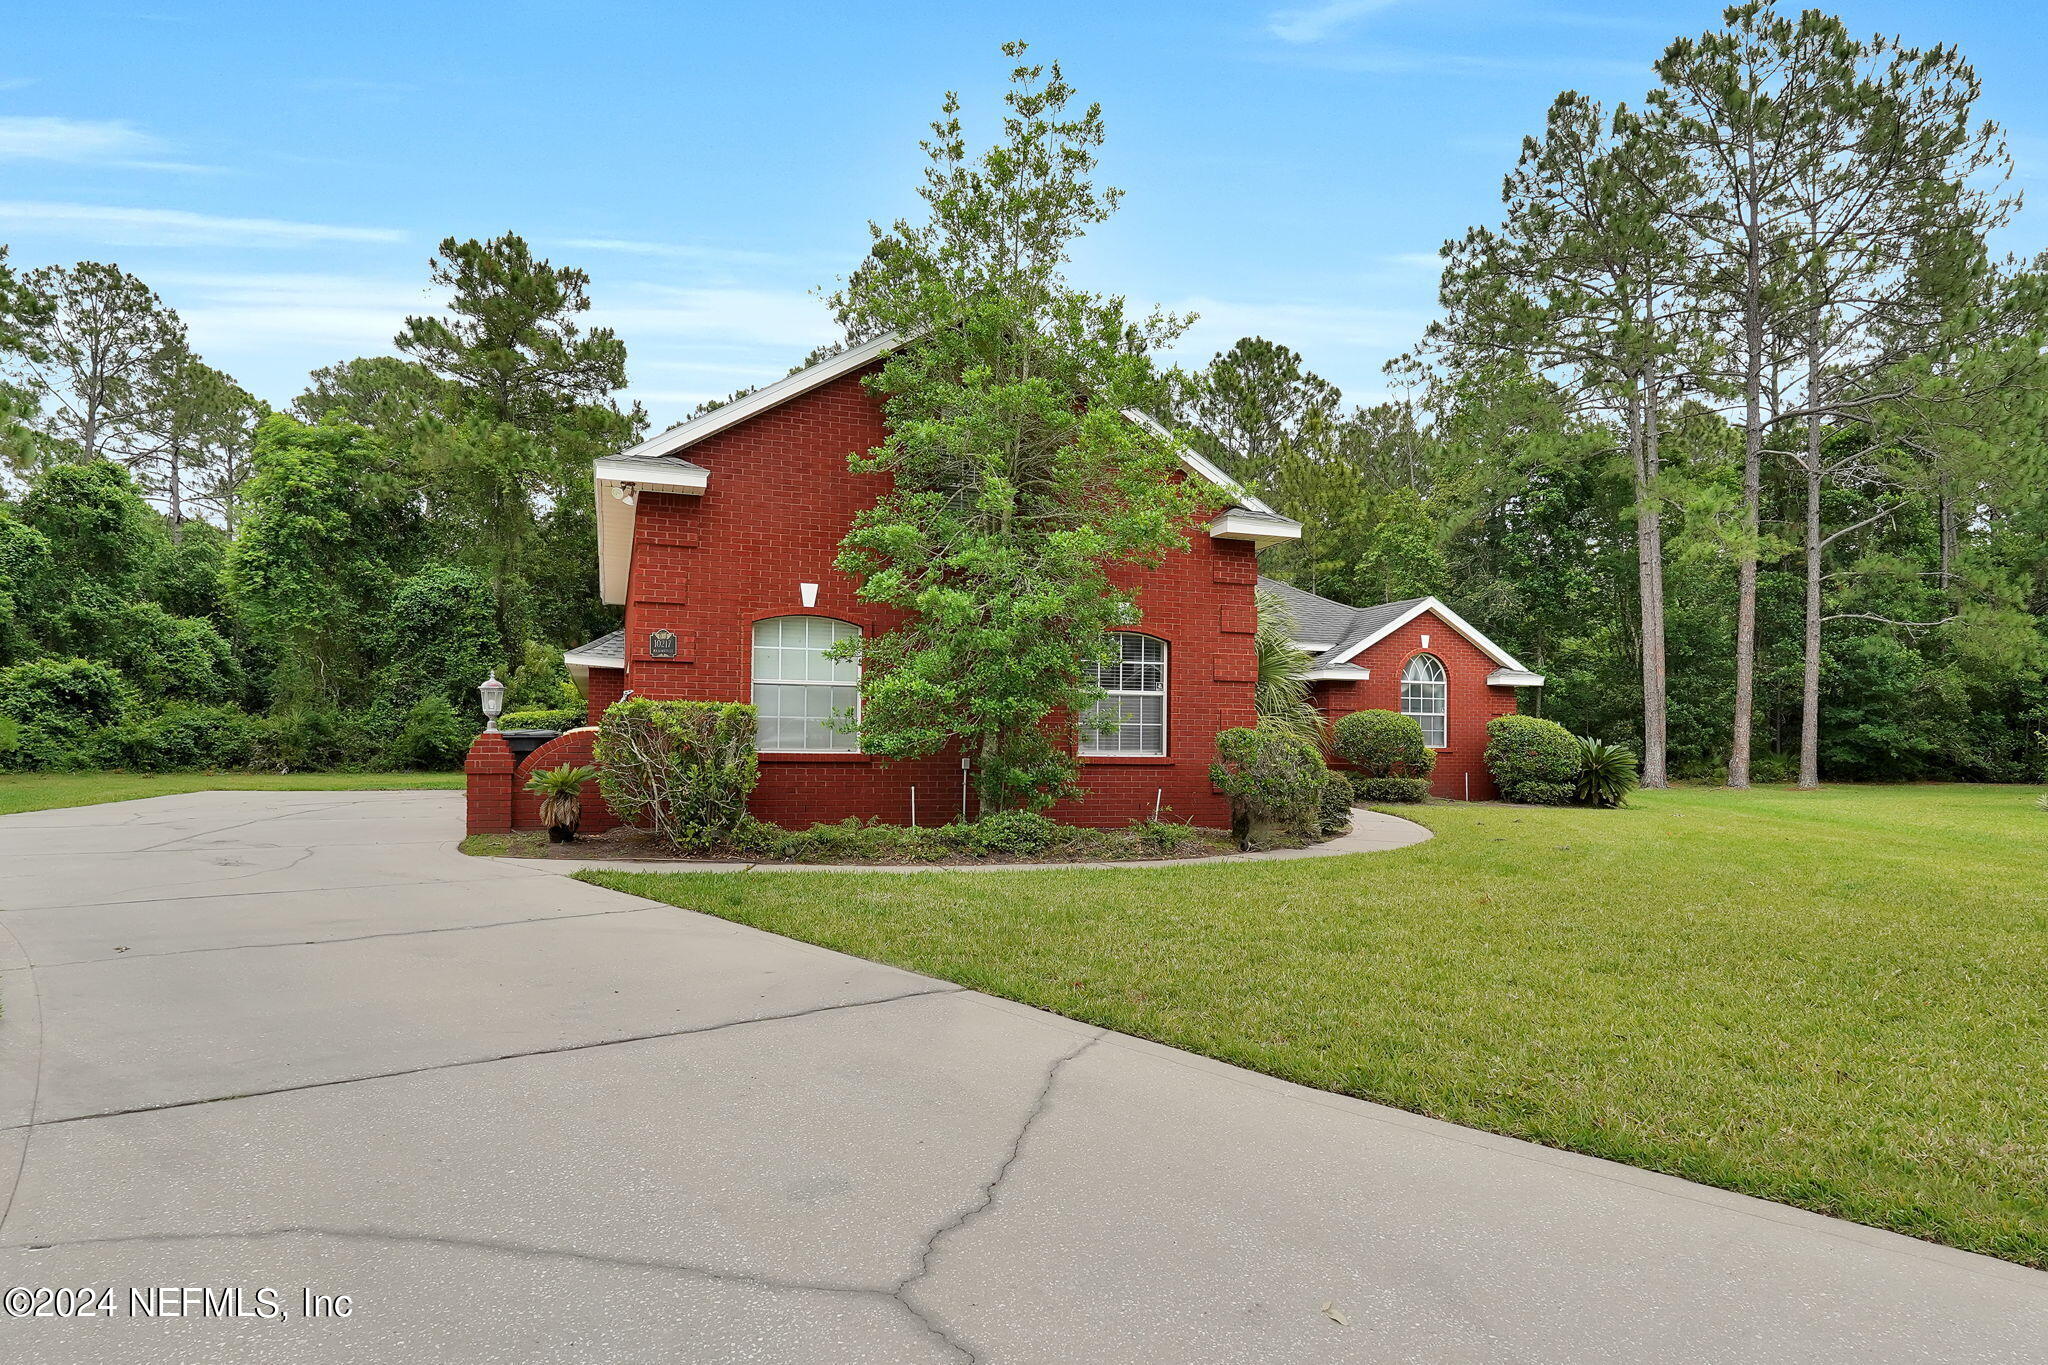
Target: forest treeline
(1732, 426)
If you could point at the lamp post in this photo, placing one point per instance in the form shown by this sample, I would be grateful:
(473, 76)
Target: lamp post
(493, 693)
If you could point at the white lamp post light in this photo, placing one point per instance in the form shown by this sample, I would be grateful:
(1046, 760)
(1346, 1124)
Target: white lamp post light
(493, 693)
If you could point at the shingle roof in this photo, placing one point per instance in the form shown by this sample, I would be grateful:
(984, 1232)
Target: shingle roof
(1321, 621)
(612, 646)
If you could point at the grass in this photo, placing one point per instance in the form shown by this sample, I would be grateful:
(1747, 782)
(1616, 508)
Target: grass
(518, 843)
(46, 791)
(1835, 999)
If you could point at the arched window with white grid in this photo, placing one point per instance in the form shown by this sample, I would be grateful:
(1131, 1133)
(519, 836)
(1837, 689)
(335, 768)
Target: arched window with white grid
(800, 693)
(1425, 695)
(1130, 720)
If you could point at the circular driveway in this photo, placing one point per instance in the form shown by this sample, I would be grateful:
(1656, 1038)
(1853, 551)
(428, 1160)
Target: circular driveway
(293, 1080)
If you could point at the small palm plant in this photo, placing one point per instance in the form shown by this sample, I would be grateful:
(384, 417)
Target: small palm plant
(1281, 697)
(561, 805)
(1607, 773)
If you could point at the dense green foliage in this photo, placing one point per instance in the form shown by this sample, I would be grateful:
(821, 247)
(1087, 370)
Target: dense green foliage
(683, 769)
(318, 590)
(1533, 761)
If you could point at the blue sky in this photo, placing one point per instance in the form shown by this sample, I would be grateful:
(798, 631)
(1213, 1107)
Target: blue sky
(281, 173)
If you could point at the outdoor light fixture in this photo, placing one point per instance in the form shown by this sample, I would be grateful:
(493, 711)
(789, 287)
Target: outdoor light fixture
(493, 693)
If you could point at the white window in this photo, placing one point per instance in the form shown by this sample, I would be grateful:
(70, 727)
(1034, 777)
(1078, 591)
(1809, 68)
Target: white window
(1131, 720)
(1424, 695)
(798, 691)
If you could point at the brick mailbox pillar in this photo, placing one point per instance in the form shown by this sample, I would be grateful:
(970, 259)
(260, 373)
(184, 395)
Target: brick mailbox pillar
(490, 768)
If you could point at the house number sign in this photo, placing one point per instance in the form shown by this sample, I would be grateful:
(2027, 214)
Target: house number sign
(661, 645)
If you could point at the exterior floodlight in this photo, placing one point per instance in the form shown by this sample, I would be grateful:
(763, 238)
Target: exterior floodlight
(493, 693)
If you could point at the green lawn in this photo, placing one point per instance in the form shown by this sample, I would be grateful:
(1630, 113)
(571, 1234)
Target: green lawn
(1837, 1000)
(45, 791)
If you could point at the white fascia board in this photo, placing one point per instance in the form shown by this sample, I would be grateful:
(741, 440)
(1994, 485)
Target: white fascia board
(682, 479)
(574, 660)
(1199, 464)
(767, 396)
(1261, 531)
(1307, 647)
(1339, 673)
(1511, 677)
(1455, 621)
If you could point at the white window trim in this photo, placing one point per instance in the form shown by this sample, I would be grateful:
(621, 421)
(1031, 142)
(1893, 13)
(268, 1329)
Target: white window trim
(753, 638)
(1442, 680)
(1165, 694)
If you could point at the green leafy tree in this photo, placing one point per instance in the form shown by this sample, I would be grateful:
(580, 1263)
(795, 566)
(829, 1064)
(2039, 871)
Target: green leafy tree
(505, 447)
(316, 558)
(190, 446)
(440, 636)
(88, 358)
(1019, 484)
(1251, 405)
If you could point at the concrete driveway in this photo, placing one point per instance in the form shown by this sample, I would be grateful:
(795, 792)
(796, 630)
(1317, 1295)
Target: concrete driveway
(295, 1042)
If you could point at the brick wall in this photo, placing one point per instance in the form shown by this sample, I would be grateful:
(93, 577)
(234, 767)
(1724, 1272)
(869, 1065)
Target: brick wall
(604, 688)
(1470, 702)
(781, 498)
(571, 748)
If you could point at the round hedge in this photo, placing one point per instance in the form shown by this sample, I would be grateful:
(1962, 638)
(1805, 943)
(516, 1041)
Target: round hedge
(1533, 761)
(1384, 744)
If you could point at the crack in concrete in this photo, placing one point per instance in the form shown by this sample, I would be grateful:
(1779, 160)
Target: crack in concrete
(899, 1293)
(984, 1199)
(942, 989)
(35, 1098)
(352, 938)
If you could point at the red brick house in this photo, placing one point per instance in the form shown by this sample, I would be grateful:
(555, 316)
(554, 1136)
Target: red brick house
(718, 536)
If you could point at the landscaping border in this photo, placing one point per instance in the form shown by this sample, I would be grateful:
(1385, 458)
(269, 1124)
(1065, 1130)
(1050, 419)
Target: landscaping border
(1371, 832)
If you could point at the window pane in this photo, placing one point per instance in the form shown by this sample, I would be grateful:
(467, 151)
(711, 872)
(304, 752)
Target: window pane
(798, 691)
(1136, 704)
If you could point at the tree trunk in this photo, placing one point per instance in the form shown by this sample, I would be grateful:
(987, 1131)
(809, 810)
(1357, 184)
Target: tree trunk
(1650, 590)
(1752, 505)
(1809, 692)
(177, 493)
(1948, 537)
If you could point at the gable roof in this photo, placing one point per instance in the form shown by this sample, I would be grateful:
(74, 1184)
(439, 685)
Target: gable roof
(657, 462)
(1334, 634)
(658, 455)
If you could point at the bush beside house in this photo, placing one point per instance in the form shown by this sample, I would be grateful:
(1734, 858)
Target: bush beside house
(1393, 764)
(1535, 762)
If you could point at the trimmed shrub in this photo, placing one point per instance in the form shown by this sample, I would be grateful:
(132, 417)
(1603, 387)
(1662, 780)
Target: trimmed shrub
(541, 720)
(682, 768)
(1607, 773)
(1390, 791)
(1534, 761)
(1334, 817)
(433, 738)
(1274, 779)
(1384, 744)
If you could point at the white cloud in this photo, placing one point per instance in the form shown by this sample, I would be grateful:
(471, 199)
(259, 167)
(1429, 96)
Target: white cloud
(1318, 22)
(685, 251)
(722, 318)
(239, 313)
(175, 227)
(88, 142)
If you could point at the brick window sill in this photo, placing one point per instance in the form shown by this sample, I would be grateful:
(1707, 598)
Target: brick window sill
(784, 756)
(1127, 761)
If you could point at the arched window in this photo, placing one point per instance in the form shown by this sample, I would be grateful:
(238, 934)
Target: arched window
(1131, 720)
(799, 691)
(1425, 695)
